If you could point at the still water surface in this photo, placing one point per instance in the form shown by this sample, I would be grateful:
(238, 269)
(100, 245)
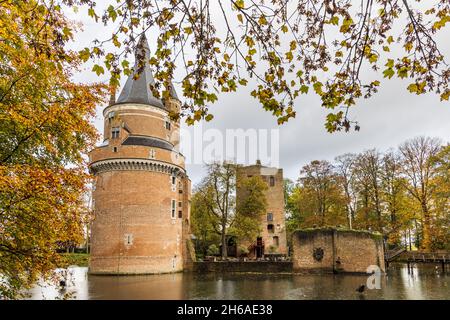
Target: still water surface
(426, 282)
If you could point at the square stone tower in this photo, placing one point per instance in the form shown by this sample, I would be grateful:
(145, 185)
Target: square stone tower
(273, 227)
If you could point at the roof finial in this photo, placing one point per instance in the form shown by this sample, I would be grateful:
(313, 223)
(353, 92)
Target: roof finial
(137, 88)
(112, 97)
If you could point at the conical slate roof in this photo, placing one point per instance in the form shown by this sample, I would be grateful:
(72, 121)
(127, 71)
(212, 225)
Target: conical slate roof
(138, 90)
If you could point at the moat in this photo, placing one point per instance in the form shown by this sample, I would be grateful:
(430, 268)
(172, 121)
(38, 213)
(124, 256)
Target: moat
(425, 282)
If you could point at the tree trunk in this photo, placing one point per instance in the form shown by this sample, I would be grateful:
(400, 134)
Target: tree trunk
(426, 241)
(224, 242)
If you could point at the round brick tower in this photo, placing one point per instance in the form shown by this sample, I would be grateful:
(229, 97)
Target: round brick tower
(141, 194)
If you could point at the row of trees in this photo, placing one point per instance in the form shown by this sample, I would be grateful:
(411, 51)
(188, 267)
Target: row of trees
(403, 193)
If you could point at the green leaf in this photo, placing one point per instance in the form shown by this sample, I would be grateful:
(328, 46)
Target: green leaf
(412, 87)
(239, 4)
(304, 89)
(334, 20)
(243, 82)
(388, 73)
(84, 54)
(98, 69)
(390, 63)
(112, 13)
(318, 87)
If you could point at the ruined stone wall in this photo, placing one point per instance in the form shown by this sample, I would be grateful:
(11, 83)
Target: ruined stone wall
(334, 250)
(275, 205)
(240, 266)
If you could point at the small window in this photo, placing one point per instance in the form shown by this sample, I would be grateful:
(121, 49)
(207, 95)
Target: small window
(270, 216)
(180, 204)
(167, 125)
(152, 154)
(180, 191)
(272, 181)
(270, 228)
(111, 116)
(276, 241)
(114, 149)
(174, 203)
(128, 239)
(115, 132)
(180, 214)
(249, 176)
(173, 183)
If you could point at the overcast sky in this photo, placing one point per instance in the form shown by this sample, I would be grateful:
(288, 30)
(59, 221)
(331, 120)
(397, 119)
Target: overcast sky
(390, 117)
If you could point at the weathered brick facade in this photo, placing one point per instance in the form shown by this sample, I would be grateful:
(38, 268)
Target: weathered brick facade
(273, 226)
(334, 250)
(141, 198)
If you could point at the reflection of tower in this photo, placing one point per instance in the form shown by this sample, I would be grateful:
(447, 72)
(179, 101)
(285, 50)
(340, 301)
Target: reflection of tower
(273, 227)
(142, 192)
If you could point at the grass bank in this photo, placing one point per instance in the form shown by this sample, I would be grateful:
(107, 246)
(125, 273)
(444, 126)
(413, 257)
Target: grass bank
(77, 259)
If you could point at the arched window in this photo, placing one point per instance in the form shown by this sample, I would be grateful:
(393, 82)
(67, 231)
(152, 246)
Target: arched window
(270, 216)
(270, 228)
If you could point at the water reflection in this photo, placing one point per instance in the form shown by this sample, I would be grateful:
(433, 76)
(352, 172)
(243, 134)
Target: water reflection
(424, 282)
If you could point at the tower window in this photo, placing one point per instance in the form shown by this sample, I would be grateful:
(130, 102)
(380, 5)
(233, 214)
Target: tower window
(180, 214)
(128, 239)
(167, 125)
(115, 132)
(270, 228)
(114, 149)
(179, 204)
(276, 241)
(174, 203)
(173, 182)
(152, 154)
(272, 181)
(270, 216)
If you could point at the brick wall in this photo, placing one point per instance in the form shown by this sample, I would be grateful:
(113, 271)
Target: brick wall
(333, 250)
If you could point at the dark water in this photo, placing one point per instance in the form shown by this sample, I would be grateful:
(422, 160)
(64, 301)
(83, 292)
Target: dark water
(426, 282)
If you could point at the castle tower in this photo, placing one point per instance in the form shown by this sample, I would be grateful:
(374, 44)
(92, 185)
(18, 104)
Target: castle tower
(142, 193)
(272, 238)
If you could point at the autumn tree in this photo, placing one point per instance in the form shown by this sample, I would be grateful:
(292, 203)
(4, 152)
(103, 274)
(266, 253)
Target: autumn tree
(45, 130)
(251, 206)
(420, 169)
(320, 197)
(344, 166)
(217, 192)
(393, 192)
(203, 223)
(281, 48)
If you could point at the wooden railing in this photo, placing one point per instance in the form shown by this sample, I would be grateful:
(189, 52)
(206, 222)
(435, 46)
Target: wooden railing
(394, 253)
(414, 256)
